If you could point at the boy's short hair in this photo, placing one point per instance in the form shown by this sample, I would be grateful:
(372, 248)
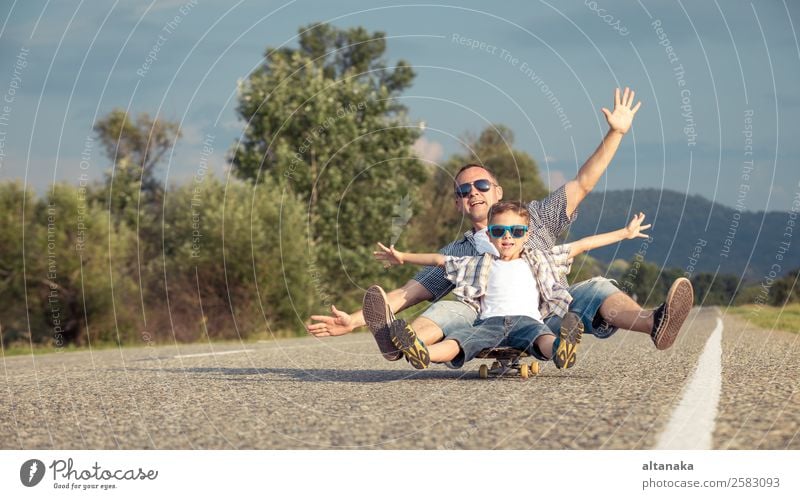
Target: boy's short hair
(517, 207)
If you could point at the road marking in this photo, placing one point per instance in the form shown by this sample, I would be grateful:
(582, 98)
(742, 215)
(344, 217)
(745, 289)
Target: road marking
(226, 352)
(692, 423)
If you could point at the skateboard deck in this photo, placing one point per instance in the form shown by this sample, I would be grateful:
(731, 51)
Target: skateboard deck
(506, 364)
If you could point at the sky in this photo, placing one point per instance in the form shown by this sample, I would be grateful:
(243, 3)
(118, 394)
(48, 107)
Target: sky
(717, 80)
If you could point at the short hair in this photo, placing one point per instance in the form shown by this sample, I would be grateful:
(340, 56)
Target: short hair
(475, 165)
(518, 207)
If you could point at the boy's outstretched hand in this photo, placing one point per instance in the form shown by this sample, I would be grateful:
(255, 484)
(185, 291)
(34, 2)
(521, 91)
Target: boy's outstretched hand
(635, 227)
(389, 256)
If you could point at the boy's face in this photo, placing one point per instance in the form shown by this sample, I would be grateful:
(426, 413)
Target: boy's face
(508, 246)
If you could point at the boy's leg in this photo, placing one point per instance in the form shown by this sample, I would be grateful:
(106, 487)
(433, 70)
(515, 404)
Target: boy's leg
(437, 321)
(538, 340)
(463, 345)
(444, 351)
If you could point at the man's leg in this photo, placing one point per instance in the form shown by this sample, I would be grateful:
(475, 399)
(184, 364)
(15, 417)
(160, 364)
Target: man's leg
(620, 311)
(604, 308)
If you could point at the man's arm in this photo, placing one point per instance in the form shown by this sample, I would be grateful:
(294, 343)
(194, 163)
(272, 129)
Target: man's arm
(632, 230)
(619, 122)
(340, 323)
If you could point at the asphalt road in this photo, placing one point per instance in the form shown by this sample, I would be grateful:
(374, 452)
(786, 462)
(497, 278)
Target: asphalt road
(340, 393)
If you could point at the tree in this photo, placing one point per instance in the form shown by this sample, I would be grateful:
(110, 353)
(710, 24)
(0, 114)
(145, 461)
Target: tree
(785, 289)
(15, 201)
(584, 267)
(642, 282)
(323, 122)
(135, 148)
(234, 263)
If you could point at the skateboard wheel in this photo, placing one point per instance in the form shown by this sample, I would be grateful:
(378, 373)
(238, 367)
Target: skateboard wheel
(483, 371)
(534, 368)
(523, 371)
(495, 365)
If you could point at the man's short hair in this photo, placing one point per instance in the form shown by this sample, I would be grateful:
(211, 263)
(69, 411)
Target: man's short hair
(517, 207)
(475, 165)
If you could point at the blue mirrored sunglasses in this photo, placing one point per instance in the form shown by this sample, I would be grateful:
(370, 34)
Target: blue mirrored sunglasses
(516, 231)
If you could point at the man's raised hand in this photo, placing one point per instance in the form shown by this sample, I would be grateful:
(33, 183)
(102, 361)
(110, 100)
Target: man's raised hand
(620, 120)
(331, 325)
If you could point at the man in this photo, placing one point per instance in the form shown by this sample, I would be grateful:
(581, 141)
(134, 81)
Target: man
(603, 308)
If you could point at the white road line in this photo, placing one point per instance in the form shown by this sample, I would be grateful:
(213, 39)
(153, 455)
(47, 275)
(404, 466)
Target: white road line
(210, 354)
(692, 423)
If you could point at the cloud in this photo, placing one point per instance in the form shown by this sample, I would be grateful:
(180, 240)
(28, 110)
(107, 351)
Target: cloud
(192, 134)
(428, 150)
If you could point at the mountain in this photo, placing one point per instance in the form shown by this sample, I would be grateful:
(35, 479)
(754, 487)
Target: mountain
(693, 234)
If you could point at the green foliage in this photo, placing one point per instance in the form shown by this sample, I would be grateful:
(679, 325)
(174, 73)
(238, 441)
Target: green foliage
(135, 147)
(642, 281)
(235, 261)
(14, 201)
(323, 122)
(584, 267)
(70, 262)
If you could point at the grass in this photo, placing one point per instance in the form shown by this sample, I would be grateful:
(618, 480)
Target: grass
(41, 349)
(25, 348)
(785, 318)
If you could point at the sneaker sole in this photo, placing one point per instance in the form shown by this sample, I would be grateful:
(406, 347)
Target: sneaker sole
(569, 338)
(678, 305)
(378, 316)
(405, 340)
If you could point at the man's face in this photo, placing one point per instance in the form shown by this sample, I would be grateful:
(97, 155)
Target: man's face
(475, 206)
(507, 246)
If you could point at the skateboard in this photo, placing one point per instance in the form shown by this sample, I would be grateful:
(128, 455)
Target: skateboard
(506, 363)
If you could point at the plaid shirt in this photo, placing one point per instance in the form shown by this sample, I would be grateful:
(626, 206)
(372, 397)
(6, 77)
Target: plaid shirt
(470, 275)
(547, 219)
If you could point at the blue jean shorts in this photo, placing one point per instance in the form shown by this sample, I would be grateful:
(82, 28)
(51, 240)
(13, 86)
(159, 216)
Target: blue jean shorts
(513, 331)
(587, 296)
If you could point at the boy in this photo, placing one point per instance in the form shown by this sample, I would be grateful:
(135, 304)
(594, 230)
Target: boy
(513, 293)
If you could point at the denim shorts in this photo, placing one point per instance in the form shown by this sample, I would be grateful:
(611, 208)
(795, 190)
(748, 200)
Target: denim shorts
(587, 296)
(513, 331)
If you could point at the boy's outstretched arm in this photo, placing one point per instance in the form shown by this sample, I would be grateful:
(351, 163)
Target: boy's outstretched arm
(390, 257)
(633, 230)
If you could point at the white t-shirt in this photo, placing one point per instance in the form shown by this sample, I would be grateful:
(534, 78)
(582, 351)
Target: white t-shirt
(511, 290)
(483, 244)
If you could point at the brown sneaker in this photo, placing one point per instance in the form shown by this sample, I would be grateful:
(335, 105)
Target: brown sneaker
(378, 317)
(669, 317)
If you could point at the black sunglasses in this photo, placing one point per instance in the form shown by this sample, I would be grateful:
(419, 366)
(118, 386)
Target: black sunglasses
(482, 185)
(517, 231)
